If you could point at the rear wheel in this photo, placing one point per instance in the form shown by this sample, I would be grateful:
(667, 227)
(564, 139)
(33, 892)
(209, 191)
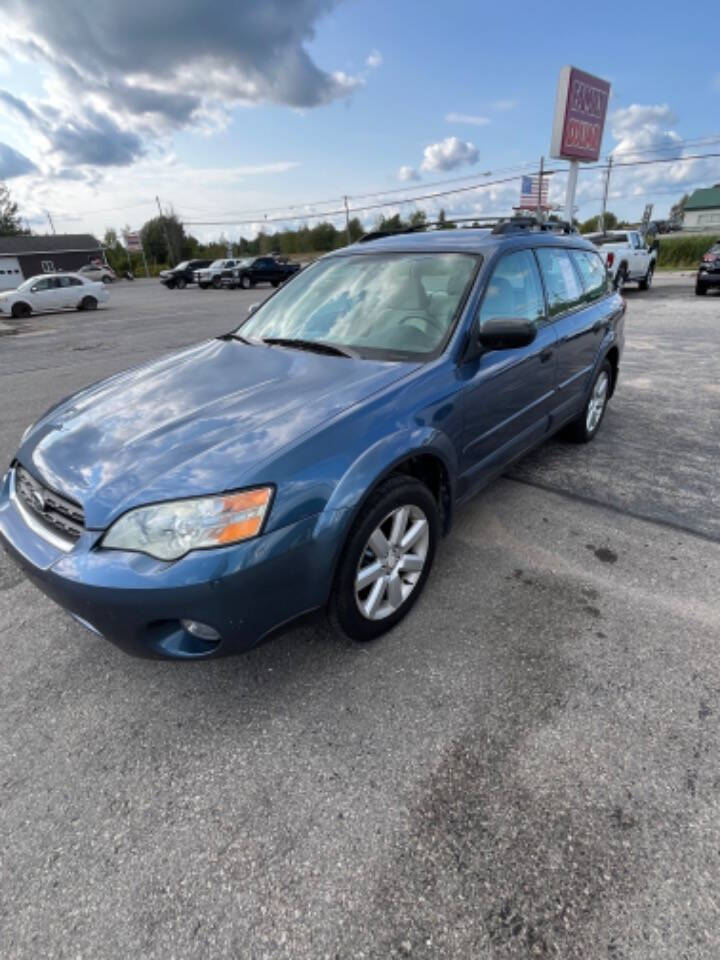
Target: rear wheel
(88, 303)
(583, 429)
(21, 310)
(647, 280)
(387, 559)
(107, 278)
(700, 289)
(620, 278)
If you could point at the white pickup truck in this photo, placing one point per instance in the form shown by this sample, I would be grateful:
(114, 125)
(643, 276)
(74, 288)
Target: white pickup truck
(627, 257)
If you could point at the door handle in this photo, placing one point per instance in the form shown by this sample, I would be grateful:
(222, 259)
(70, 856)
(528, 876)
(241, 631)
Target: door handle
(546, 354)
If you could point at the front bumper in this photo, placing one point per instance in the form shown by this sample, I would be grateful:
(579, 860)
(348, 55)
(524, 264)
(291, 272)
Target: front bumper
(245, 592)
(708, 278)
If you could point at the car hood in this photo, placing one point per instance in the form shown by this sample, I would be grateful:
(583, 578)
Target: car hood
(200, 421)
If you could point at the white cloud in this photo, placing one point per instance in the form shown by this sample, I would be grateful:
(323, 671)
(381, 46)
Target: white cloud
(467, 118)
(501, 105)
(644, 128)
(375, 59)
(449, 154)
(407, 173)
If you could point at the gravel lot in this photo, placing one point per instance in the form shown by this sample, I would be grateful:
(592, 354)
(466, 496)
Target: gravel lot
(526, 767)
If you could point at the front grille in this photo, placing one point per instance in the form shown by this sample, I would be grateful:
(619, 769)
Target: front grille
(53, 511)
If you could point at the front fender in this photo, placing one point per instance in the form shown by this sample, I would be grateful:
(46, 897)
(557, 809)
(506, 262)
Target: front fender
(379, 460)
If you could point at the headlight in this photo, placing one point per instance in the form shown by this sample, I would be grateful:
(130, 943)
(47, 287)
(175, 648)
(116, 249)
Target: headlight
(168, 531)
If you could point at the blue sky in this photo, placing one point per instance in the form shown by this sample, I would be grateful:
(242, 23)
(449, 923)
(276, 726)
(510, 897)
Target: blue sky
(298, 101)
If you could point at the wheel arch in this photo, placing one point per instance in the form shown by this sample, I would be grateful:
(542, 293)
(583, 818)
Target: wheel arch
(613, 358)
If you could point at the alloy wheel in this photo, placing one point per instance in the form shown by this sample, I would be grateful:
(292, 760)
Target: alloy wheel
(596, 404)
(392, 562)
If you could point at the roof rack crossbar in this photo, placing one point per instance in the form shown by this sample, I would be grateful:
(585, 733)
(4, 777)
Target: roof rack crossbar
(497, 225)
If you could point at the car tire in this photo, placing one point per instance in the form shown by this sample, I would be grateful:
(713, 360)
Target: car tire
(107, 278)
(275, 283)
(398, 507)
(170, 284)
(700, 289)
(217, 283)
(245, 282)
(585, 427)
(621, 278)
(647, 280)
(203, 286)
(20, 311)
(88, 303)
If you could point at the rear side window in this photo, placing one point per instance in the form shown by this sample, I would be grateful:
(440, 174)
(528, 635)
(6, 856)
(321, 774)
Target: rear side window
(561, 282)
(514, 290)
(592, 273)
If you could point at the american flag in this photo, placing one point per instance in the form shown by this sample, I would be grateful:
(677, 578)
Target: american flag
(529, 193)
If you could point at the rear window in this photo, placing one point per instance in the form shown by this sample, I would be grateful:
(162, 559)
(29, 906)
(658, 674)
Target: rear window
(562, 286)
(592, 273)
(610, 238)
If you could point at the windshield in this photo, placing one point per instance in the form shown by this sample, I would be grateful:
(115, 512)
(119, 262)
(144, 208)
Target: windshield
(398, 303)
(29, 283)
(182, 265)
(217, 263)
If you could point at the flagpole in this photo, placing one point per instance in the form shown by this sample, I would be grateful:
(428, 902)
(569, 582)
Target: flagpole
(540, 187)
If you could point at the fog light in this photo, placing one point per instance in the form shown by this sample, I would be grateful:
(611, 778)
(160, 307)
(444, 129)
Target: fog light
(200, 630)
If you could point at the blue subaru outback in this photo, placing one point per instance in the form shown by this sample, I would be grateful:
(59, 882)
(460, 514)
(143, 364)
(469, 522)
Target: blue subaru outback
(311, 459)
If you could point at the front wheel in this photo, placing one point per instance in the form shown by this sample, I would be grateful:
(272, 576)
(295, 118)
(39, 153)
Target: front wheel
(20, 311)
(647, 280)
(700, 289)
(583, 429)
(245, 282)
(203, 286)
(387, 559)
(181, 283)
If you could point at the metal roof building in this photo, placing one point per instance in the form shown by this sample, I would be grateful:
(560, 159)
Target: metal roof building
(702, 211)
(26, 255)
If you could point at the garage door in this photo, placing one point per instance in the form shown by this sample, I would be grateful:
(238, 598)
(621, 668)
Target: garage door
(10, 273)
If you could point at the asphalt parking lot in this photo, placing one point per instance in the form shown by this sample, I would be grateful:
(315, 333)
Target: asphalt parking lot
(526, 767)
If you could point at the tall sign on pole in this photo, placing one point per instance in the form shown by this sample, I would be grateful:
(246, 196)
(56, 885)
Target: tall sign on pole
(580, 110)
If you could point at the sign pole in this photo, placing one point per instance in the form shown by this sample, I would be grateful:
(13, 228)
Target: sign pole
(570, 191)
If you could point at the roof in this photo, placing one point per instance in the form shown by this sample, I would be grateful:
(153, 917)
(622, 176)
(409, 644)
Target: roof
(473, 240)
(50, 243)
(704, 199)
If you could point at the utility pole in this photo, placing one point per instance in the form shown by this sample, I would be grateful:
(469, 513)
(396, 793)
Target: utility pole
(540, 188)
(50, 221)
(165, 229)
(603, 211)
(347, 220)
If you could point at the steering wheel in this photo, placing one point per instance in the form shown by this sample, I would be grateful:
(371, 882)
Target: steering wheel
(426, 319)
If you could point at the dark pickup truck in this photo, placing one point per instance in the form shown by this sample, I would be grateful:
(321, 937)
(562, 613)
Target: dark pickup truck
(249, 273)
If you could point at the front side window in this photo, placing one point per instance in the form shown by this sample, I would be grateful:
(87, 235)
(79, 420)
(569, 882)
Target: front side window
(43, 284)
(514, 291)
(562, 286)
(592, 273)
(401, 303)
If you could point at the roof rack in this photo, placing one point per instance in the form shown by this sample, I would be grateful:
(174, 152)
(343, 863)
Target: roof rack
(497, 225)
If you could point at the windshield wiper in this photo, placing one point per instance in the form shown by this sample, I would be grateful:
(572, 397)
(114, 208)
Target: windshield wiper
(318, 346)
(237, 336)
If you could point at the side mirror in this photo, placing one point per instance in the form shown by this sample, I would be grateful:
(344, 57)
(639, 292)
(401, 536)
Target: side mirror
(506, 333)
(252, 308)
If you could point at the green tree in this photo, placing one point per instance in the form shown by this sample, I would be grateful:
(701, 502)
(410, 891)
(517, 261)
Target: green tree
(10, 224)
(418, 218)
(593, 224)
(154, 236)
(443, 223)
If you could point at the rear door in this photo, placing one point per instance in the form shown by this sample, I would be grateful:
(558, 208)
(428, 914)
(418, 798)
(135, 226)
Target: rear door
(509, 392)
(576, 288)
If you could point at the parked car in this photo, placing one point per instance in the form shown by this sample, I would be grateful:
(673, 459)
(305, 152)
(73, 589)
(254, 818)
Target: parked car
(312, 458)
(98, 271)
(627, 257)
(708, 274)
(254, 270)
(183, 274)
(55, 291)
(214, 275)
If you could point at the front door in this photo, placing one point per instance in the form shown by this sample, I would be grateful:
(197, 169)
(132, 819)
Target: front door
(509, 392)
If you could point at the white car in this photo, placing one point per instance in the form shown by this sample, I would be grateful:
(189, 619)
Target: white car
(98, 271)
(627, 257)
(53, 291)
(214, 275)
